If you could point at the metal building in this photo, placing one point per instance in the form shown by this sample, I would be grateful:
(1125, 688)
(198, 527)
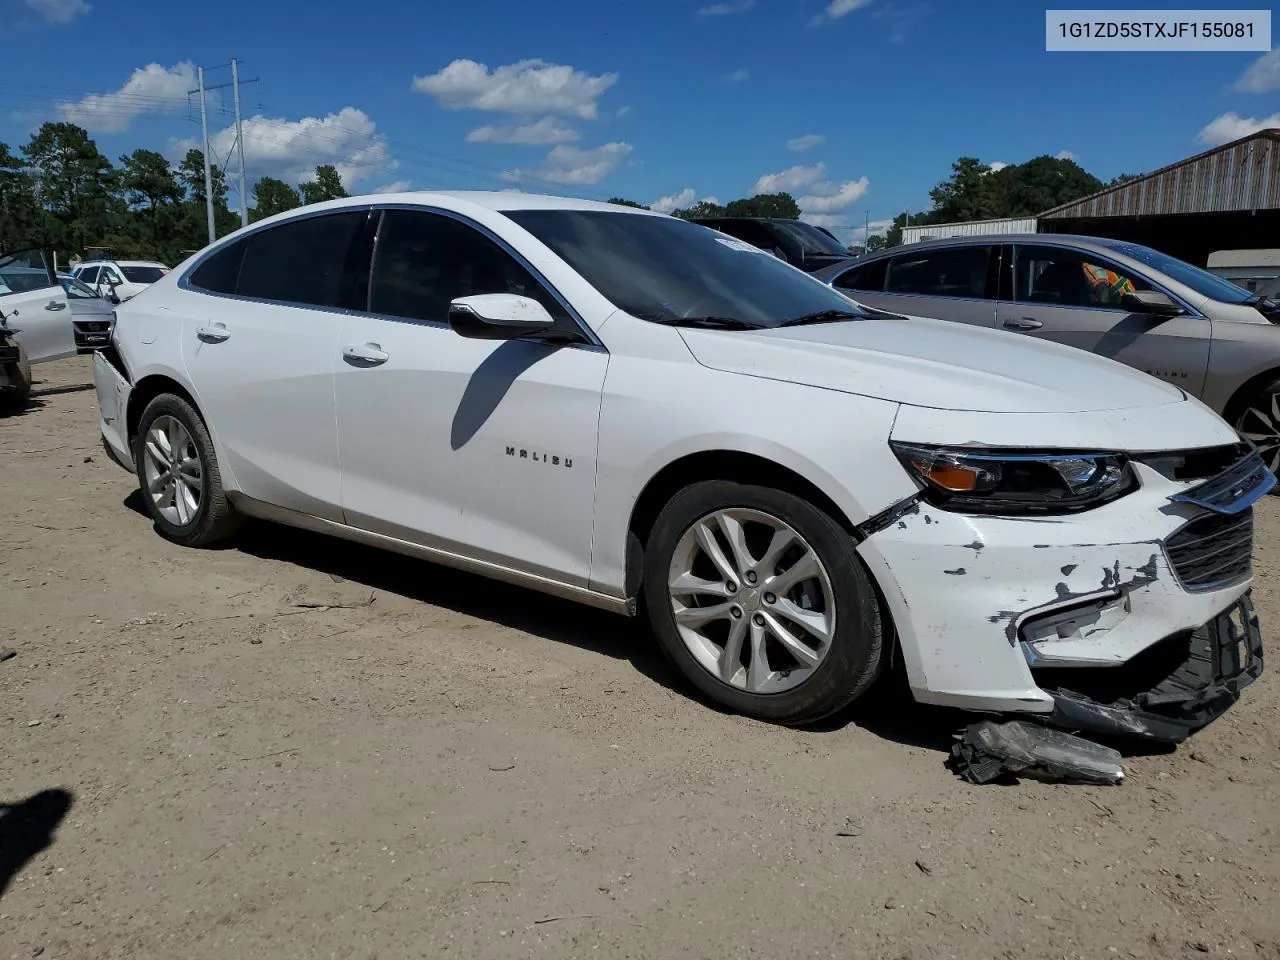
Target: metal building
(972, 228)
(1227, 198)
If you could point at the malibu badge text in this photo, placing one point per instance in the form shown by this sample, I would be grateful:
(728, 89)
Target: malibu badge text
(553, 459)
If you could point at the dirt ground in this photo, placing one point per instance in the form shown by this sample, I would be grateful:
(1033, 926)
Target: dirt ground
(300, 748)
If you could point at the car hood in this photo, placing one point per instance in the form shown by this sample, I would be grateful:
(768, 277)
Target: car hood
(933, 363)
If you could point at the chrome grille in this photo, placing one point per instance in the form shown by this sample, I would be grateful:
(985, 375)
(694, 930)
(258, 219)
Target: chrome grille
(1212, 551)
(1235, 488)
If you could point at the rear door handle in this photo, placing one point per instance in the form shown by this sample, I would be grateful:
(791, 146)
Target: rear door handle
(366, 355)
(213, 333)
(55, 305)
(1023, 323)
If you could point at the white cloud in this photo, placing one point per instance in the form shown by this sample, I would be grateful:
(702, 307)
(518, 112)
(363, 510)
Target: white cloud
(996, 166)
(292, 149)
(790, 179)
(878, 229)
(1065, 155)
(738, 76)
(150, 89)
(822, 219)
(830, 197)
(1232, 126)
(726, 9)
(574, 166)
(59, 11)
(529, 86)
(623, 111)
(546, 130)
(837, 9)
(674, 202)
(398, 186)
(807, 142)
(1263, 75)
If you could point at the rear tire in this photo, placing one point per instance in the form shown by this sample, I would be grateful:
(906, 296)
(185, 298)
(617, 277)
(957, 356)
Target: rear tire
(15, 398)
(791, 655)
(178, 473)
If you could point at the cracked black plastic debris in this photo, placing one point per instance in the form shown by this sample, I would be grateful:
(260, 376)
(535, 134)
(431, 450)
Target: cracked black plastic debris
(1222, 658)
(990, 752)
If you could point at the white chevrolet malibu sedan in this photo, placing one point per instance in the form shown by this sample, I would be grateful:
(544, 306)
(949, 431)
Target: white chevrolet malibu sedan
(648, 416)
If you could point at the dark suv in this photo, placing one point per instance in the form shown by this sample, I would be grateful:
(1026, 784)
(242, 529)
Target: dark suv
(800, 244)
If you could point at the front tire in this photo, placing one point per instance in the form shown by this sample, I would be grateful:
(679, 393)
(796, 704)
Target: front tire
(758, 598)
(1259, 420)
(178, 472)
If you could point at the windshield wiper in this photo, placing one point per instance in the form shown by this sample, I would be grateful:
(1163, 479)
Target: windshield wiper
(822, 316)
(709, 323)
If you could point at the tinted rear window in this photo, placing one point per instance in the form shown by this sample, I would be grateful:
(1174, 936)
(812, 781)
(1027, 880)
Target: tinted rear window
(300, 261)
(143, 274)
(220, 273)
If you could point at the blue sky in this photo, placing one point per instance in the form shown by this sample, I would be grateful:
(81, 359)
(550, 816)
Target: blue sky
(857, 107)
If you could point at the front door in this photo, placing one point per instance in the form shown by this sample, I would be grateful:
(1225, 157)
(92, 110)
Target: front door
(1073, 297)
(35, 307)
(945, 283)
(478, 447)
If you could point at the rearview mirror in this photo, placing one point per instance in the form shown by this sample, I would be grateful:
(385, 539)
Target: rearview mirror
(1151, 302)
(498, 316)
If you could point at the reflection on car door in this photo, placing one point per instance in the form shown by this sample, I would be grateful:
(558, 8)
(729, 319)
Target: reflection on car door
(1073, 297)
(947, 283)
(479, 447)
(262, 361)
(35, 306)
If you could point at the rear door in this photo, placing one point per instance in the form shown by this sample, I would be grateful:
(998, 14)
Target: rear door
(946, 283)
(34, 305)
(262, 359)
(1073, 297)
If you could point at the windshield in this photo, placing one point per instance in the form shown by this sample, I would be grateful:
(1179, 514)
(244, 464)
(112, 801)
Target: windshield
(811, 239)
(665, 270)
(143, 274)
(1201, 281)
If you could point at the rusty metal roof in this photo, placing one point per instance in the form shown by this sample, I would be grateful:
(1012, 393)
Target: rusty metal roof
(1241, 175)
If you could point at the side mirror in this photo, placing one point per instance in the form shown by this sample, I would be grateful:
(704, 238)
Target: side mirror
(1151, 302)
(498, 316)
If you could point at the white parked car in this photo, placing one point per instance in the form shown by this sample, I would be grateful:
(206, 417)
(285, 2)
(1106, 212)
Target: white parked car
(642, 414)
(119, 279)
(35, 321)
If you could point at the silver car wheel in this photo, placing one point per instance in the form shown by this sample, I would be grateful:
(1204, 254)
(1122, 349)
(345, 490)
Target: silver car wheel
(173, 471)
(1260, 423)
(752, 600)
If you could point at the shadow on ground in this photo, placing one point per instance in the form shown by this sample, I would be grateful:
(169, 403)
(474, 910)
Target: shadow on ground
(26, 829)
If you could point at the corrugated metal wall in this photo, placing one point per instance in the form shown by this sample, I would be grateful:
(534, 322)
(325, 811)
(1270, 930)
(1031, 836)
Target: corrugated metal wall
(1243, 176)
(975, 228)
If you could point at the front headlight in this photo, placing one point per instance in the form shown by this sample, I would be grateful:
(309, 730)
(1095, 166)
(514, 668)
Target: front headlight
(1014, 482)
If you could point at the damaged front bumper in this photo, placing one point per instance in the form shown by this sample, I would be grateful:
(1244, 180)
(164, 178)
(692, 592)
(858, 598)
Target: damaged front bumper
(1130, 619)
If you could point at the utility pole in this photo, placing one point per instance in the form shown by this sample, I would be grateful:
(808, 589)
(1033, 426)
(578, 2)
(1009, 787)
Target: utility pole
(235, 88)
(208, 175)
(866, 234)
(204, 126)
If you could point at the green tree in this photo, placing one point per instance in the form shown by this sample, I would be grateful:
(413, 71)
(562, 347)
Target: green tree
(779, 205)
(193, 232)
(700, 209)
(969, 193)
(1026, 189)
(1122, 178)
(627, 203)
(149, 183)
(326, 186)
(876, 242)
(73, 185)
(20, 221)
(272, 196)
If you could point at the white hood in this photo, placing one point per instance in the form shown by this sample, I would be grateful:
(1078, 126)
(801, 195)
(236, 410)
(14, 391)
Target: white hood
(933, 363)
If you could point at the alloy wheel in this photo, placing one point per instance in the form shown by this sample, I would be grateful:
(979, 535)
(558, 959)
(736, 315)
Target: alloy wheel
(1260, 423)
(752, 600)
(173, 471)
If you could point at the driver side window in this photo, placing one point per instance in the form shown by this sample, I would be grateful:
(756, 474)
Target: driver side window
(425, 260)
(1061, 277)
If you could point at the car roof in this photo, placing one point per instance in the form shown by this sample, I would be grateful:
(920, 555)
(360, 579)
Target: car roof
(500, 201)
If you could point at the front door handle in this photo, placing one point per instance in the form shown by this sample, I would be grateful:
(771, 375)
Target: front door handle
(55, 305)
(1023, 323)
(213, 333)
(366, 355)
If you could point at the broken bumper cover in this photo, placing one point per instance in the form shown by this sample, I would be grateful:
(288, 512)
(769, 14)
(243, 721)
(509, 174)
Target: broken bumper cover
(1000, 614)
(1222, 658)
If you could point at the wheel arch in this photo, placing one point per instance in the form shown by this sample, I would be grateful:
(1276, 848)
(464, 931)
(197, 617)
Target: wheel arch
(146, 390)
(1244, 393)
(735, 466)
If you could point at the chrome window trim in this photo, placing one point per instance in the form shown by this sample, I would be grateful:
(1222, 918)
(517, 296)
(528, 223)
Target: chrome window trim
(184, 281)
